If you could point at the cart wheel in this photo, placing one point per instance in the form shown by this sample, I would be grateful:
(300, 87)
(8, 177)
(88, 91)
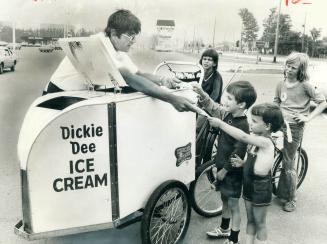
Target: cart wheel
(206, 201)
(166, 215)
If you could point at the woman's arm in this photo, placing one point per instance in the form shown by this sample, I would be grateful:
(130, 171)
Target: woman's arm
(240, 135)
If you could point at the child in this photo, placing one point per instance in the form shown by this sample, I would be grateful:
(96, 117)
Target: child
(212, 81)
(240, 96)
(257, 185)
(293, 95)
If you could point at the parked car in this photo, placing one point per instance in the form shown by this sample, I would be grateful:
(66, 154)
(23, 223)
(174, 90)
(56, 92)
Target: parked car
(3, 44)
(57, 47)
(8, 59)
(17, 46)
(47, 48)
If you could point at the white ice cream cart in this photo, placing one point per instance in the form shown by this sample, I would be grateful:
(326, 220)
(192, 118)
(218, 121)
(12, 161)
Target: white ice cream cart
(94, 160)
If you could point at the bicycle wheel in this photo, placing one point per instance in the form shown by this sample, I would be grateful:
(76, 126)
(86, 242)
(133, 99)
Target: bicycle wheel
(205, 200)
(211, 147)
(166, 215)
(302, 168)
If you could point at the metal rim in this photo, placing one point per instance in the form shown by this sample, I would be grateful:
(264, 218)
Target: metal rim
(169, 217)
(205, 195)
(300, 170)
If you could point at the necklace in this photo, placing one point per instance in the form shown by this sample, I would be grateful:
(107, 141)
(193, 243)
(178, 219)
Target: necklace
(208, 77)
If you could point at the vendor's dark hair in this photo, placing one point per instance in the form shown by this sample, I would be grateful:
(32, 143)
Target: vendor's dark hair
(210, 53)
(243, 91)
(123, 21)
(271, 114)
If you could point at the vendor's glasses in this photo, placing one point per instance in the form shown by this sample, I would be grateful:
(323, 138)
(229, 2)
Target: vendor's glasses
(131, 38)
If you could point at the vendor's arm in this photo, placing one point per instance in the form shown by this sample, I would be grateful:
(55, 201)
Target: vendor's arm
(170, 82)
(144, 85)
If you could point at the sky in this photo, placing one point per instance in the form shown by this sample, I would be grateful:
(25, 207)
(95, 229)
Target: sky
(191, 16)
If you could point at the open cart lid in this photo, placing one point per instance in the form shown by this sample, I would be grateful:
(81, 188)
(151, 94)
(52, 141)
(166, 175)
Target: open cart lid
(93, 59)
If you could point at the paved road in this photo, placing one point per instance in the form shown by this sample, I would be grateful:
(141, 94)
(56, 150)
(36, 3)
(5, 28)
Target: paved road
(305, 226)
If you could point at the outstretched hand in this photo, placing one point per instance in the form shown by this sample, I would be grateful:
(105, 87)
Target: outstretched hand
(183, 104)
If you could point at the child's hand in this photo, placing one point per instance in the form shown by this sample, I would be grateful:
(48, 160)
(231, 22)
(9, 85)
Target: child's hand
(221, 174)
(198, 89)
(301, 118)
(237, 161)
(214, 122)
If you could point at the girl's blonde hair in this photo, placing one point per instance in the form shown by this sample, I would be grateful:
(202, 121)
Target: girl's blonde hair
(303, 58)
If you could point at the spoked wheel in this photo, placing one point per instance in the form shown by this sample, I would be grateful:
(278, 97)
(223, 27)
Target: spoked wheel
(302, 168)
(166, 215)
(211, 147)
(205, 199)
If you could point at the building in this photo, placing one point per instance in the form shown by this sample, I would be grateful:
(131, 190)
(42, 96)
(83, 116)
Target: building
(165, 30)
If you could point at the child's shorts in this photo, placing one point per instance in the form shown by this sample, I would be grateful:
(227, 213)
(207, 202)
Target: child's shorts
(231, 185)
(258, 191)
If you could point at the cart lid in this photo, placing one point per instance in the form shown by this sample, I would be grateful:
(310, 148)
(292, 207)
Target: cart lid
(93, 57)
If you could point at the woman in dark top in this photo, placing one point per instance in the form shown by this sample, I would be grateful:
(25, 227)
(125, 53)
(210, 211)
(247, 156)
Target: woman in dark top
(212, 81)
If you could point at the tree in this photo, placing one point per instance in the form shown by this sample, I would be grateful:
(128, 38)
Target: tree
(315, 34)
(270, 26)
(250, 27)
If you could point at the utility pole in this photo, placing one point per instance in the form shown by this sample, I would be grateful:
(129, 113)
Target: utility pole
(214, 34)
(305, 20)
(241, 47)
(193, 39)
(277, 32)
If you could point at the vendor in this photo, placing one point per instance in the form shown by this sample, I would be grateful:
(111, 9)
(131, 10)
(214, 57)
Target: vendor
(122, 29)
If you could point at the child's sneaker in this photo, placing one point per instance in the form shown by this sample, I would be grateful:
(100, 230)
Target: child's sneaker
(289, 206)
(219, 233)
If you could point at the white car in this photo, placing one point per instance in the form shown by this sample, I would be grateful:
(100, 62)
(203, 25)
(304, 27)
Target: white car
(17, 46)
(8, 59)
(318, 77)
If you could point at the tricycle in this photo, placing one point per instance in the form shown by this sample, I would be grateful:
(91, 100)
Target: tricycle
(92, 160)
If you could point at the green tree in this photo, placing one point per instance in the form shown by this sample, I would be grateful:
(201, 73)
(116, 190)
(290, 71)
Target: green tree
(315, 34)
(250, 27)
(270, 26)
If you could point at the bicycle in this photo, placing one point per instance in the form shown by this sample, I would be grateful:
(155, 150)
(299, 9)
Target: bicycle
(206, 200)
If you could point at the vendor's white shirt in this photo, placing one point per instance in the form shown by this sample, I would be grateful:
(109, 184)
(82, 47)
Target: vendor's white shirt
(67, 78)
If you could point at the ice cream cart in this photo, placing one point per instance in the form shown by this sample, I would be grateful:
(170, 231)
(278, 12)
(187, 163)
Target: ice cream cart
(94, 160)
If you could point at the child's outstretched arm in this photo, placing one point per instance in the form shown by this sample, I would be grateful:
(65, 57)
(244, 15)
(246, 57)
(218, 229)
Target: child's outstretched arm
(238, 134)
(215, 109)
